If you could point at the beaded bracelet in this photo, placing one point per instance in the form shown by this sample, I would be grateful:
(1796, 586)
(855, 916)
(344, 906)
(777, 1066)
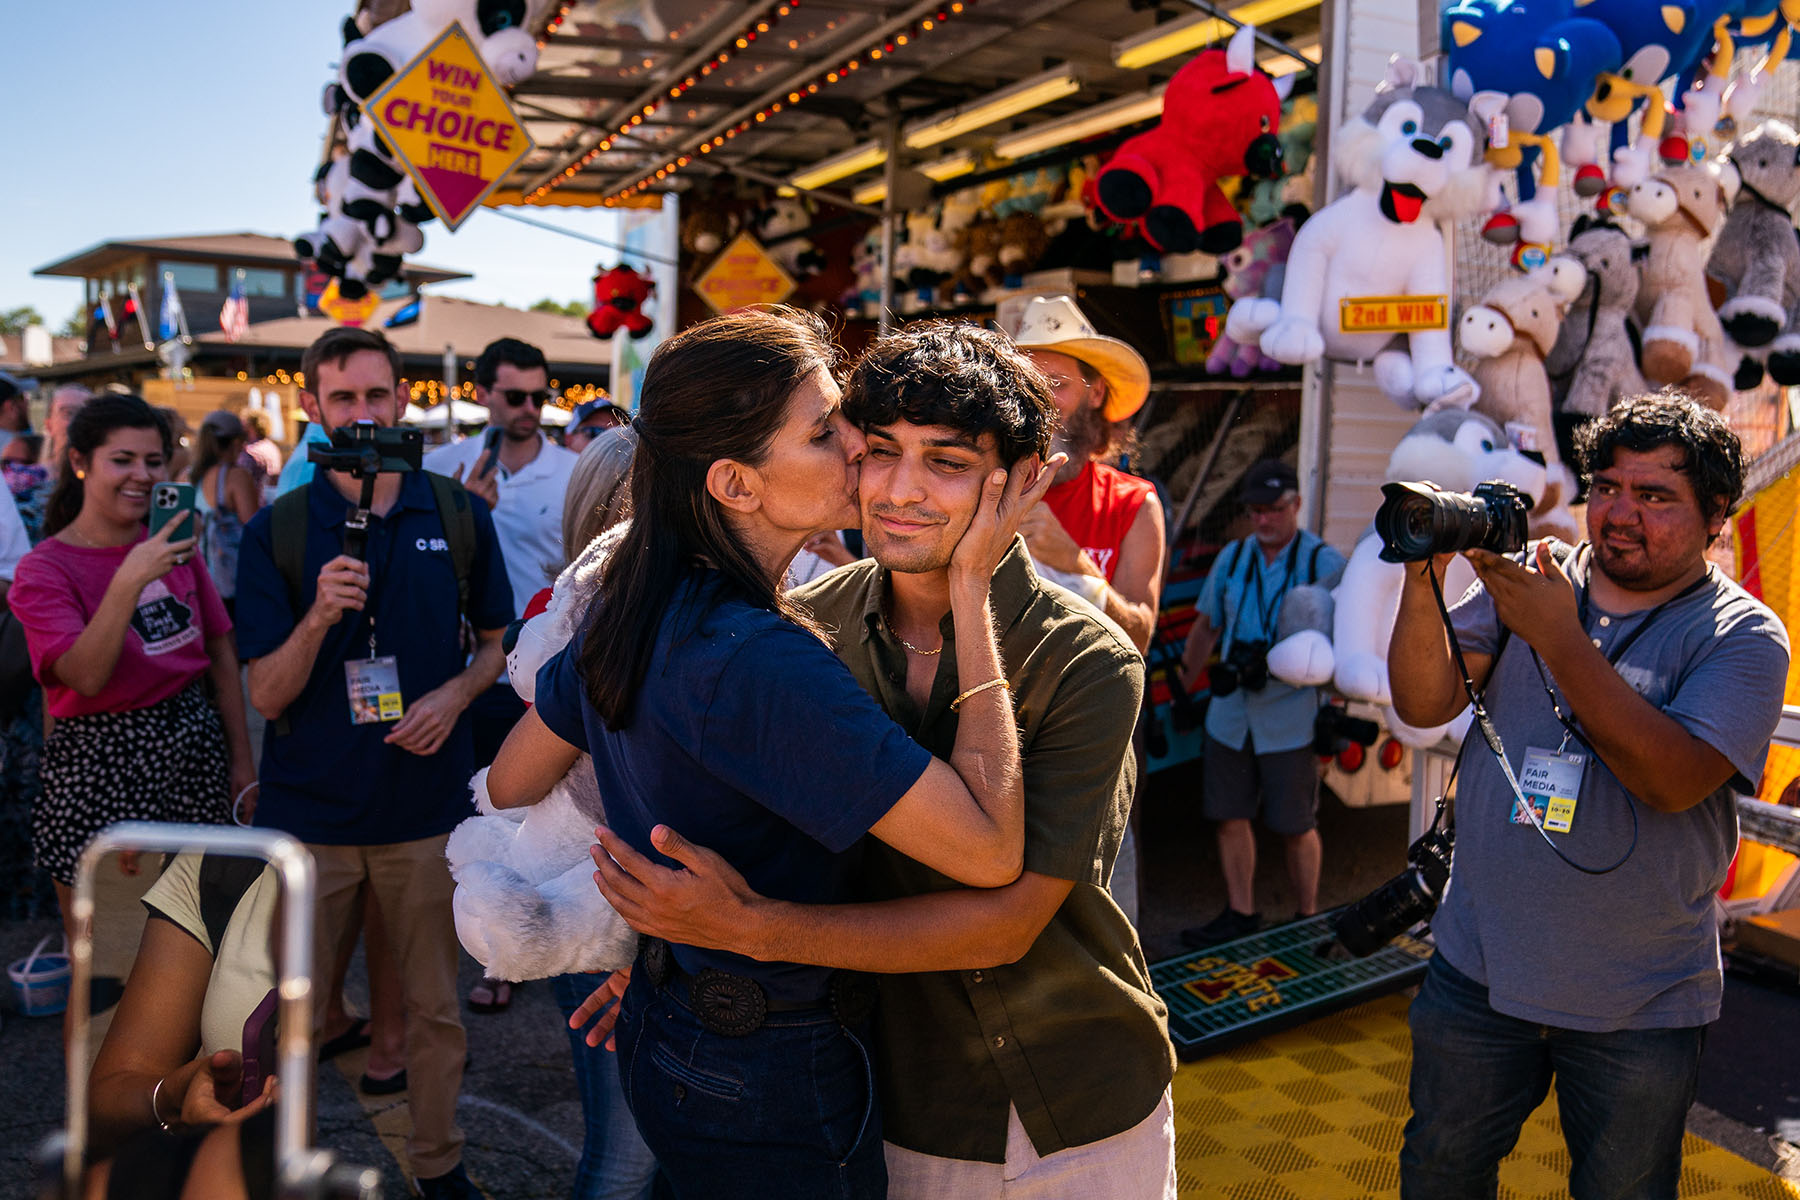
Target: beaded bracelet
(980, 687)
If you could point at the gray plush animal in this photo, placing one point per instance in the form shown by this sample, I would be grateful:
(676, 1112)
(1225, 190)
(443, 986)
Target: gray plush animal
(1593, 365)
(1757, 256)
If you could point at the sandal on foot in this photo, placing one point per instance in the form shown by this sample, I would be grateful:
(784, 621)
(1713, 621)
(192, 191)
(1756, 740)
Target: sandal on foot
(490, 996)
(354, 1038)
(390, 1086)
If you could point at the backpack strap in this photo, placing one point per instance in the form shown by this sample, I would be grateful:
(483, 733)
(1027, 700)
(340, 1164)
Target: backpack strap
(223, 881)
(1312, 562)
(287, 537)
(458, 520)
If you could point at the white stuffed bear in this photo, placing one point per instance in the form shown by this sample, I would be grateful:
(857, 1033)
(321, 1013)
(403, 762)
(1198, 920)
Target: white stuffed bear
(1455, 450)
(1412, 159)
(1302, 655)
(526, 906)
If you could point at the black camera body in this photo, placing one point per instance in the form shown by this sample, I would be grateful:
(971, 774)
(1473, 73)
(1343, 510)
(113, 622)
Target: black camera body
(1402, 902)
(1334, 730)
(1416, 520)
(1246, 666)
(366, 449)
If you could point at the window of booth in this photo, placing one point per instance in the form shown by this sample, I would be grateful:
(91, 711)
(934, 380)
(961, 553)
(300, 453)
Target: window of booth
(265, 281)
(191, 276)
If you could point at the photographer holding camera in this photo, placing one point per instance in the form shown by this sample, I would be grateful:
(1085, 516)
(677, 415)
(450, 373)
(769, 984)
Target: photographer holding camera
(352, 596)
(1631, 686)
(1259, 731)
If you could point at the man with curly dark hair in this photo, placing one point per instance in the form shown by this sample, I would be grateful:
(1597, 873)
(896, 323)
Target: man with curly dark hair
(1637, 689)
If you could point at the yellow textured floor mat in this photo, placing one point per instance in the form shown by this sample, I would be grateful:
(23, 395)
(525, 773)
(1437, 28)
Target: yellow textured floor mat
(1315, 1114)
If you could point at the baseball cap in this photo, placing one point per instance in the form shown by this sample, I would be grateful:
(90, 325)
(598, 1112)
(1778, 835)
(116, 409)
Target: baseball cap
(588, 408)
(1265, 482)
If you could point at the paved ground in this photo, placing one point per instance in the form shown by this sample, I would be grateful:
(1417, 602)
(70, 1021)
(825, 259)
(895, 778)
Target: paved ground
(518, 1105)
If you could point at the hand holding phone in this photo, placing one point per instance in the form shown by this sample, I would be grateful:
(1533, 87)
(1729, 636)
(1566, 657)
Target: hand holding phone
(175, 504)
(259, 1046)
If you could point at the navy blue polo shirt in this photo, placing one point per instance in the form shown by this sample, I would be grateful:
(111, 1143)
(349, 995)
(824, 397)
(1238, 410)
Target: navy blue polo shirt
(330, 781)
(751, 738)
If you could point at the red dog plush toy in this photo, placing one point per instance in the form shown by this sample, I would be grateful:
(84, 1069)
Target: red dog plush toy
(619, 296)
(1220, 118)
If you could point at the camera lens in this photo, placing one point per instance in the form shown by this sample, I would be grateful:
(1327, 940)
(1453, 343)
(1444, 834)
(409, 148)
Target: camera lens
(1416, 521)
(1223, 679)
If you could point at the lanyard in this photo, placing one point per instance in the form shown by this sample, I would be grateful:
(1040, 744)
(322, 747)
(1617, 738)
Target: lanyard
(1616, 654)
(387, 566)
(1267, 607)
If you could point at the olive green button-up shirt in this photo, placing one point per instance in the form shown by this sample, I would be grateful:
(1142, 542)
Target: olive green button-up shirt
(1072, 1034)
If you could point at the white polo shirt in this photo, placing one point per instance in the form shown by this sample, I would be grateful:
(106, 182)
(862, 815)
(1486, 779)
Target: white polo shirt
(528, 519)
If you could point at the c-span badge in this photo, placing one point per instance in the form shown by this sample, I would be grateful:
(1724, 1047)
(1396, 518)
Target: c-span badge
(450, 125)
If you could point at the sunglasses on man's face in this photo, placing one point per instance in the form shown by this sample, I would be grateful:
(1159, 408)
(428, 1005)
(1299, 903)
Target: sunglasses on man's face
(516, 397)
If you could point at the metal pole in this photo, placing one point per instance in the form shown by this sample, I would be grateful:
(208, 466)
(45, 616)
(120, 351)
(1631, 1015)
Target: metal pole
(449, 393)
(890, 174)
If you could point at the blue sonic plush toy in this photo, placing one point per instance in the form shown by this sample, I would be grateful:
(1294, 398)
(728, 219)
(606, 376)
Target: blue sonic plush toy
(1659, 40)
(1542, 55)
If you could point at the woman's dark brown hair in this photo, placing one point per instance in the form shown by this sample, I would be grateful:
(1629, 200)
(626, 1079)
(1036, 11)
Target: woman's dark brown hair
(719, 389)
(89, 428)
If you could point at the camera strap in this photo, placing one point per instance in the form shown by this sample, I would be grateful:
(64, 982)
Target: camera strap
(1491, 736)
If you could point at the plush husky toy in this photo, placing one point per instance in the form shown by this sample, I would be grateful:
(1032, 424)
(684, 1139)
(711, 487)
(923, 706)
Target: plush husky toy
(1455, 450)
(1413, 158)
(526, 906)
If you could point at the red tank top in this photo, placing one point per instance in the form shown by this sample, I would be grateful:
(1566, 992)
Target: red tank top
(1097, 507)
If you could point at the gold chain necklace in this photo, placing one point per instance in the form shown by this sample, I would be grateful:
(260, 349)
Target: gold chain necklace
(903, 641)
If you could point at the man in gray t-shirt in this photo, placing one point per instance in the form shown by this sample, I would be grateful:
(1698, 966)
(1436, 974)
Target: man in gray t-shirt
(1633, 687)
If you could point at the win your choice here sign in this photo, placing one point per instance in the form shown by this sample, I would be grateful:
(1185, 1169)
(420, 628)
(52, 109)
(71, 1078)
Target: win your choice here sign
(451, 126)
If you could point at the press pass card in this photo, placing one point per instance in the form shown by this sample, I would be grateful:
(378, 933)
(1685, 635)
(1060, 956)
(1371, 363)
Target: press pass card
(374, 685)
(1551, 782)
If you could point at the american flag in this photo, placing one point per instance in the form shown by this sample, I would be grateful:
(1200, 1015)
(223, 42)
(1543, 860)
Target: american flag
(234, 316)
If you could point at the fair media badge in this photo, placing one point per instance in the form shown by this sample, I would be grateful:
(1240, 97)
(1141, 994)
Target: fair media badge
(1551, 781)
(374, 686)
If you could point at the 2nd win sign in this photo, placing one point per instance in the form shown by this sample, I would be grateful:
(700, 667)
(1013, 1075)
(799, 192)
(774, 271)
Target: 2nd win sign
(1393, 314)
(450, 125)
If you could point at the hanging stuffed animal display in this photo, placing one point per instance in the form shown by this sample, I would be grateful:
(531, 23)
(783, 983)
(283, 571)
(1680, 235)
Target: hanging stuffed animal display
(1683, 342)
(777, 225)
(1542, 57)
(619, 297)
(1271, 198)
(1411, 159)
(374, 192)
(1510, 335)
(1756, 258)
(1762, 23)
(1255, 268)
(1221, 115)
(1658, 40)
(1594, 363)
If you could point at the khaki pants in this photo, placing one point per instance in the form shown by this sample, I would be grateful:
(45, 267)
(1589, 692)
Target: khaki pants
(1138, 1164)
(411, 883)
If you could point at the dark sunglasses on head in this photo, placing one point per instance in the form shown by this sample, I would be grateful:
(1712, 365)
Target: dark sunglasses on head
(516, 397)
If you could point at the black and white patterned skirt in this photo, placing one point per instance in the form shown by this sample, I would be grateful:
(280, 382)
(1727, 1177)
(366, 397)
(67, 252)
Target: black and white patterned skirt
(167, 762)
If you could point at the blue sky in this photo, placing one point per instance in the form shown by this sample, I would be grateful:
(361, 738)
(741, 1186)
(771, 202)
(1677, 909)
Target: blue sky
(131, 119)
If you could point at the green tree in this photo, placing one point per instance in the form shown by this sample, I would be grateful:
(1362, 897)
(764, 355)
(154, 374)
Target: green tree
(14, 321)
(77, 324)
(571, 308)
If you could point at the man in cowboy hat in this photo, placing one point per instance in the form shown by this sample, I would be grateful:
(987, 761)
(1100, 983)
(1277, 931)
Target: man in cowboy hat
(1094, 533)
(1094, 530)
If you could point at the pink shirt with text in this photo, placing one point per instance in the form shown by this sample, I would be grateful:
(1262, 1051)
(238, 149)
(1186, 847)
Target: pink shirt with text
(57, 591)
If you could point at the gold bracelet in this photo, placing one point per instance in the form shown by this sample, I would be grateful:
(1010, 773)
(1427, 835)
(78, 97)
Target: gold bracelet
(980, 687)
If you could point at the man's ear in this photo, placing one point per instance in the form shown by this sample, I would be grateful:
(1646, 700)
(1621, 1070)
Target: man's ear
(1097, 394)
(309, 404)
(736, 486)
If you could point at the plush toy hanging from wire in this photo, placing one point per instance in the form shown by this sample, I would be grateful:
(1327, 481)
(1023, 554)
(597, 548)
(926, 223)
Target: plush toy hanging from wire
(619, 298)
(372, 208)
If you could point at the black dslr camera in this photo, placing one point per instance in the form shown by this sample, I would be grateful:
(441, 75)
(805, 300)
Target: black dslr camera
(1403, 901)
(1245, 666)
(1416, 520)
(366, 450)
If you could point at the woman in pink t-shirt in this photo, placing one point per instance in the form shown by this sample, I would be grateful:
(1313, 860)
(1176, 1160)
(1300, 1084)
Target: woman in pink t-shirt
(122, 628)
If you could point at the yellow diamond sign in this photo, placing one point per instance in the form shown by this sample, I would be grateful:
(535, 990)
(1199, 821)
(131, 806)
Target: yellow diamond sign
(450, 125)
(743, 275)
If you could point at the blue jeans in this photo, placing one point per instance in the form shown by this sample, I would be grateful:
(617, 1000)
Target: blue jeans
(1477, 1075)
(789, 1109)
(615, 1163)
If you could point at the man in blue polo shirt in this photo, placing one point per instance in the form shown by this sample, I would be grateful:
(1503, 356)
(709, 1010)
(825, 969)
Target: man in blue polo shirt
(374, 792)
(1259, 730)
